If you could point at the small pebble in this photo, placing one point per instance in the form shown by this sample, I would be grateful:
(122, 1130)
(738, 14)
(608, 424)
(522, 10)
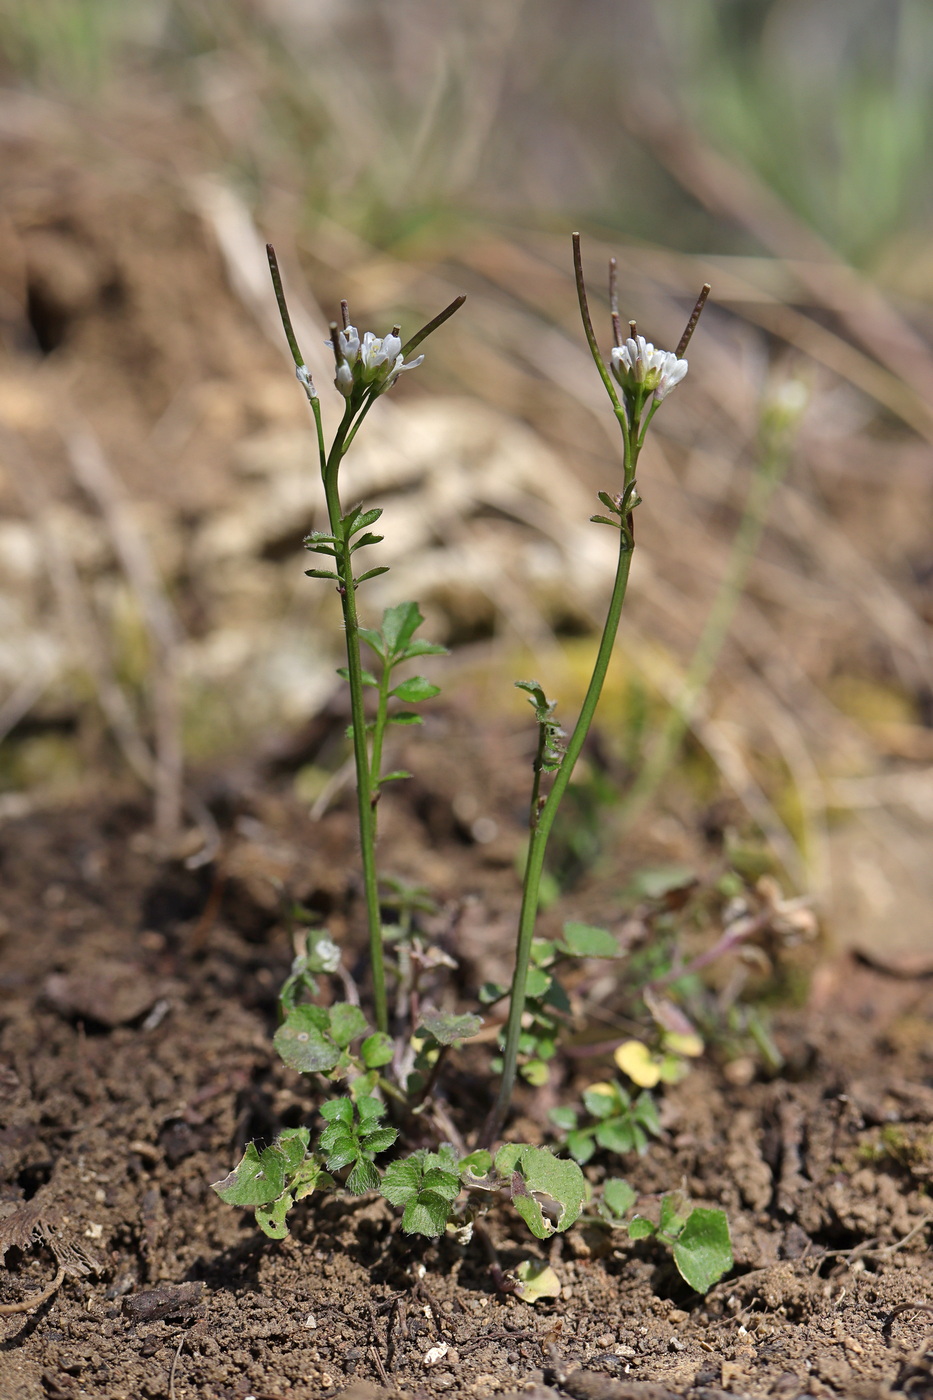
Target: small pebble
(605, 1339)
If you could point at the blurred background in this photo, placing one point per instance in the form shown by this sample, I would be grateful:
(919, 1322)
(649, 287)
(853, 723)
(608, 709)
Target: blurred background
(157, 467)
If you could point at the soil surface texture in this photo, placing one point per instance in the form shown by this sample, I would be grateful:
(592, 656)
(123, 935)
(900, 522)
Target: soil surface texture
(138, 1008)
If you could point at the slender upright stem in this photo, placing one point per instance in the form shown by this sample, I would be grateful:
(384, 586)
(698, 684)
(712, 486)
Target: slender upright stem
(537, 846)
(364, 786)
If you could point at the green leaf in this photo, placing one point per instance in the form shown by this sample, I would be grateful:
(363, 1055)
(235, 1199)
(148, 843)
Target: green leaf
(441, 1183)
(301, 1044)
(367, 676)
(490, 992)
(580, 1145)
(405, 717)
(601, 1101)
(321, 573)
(271, 1218)
(585, 941)
(539, 1173)
(616, 1135)
(349, 519)
(370, 1110)
(363, 1178)
(640, 1228)
(257, 1179)
(564, 1117)
(607, 501)
(395, 776)
(293, 1144)
(419, 648)
(373, 640)
(645, 1112)
(399, 625)
(368, 517)
(477, 1163)
(619, 1196)
(605, 520)
(340, 1152)
(447, 1028)
(364, 540)
(703, 1252)
(377, 1050)
(675, 1209)
(318, 537)
(537, 982)
(321, 549)
(507, 1158)
(535, 1073)
(378, 1140)
(346, 1023)
(402, 1179)
(337, 1111)
(372, 573)
(415, 689)
(427, 1215)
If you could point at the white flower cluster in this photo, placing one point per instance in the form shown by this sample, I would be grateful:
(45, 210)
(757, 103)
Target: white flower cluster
(361, 364)
(641, 369)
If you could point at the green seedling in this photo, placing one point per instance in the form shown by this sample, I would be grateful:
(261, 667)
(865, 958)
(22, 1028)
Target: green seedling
(697, 1237)
(392, 1069)
(619, 1123)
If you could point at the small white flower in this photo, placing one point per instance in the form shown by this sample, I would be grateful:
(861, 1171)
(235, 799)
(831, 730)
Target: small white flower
(639, 367)
(672, 372)
(370, 362)
(344, 379)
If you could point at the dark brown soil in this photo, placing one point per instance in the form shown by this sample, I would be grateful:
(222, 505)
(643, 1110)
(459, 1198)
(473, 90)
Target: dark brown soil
(139, 1001)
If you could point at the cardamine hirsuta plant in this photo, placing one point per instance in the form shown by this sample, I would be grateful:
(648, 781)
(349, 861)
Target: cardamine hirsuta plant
(391, 1066)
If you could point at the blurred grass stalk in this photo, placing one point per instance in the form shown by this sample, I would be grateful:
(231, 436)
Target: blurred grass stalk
(390, 117)
(780, 416)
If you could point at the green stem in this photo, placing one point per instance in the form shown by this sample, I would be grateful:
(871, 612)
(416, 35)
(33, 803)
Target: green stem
(364, 789)
(537, 846)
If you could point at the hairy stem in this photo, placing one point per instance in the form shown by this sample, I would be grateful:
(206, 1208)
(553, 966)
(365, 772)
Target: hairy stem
(364, 786)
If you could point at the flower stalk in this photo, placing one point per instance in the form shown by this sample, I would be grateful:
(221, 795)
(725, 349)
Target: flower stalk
(645, 377)
(365, 367)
